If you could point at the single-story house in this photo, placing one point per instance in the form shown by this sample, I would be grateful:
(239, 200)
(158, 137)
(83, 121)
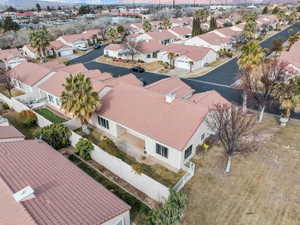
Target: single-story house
(269, 21)
(10, 58)
(26, 76)
(145, 50)
(38, 185)
(162, 36)
(113, 50)
(149, 119)
(52, 88)
(210, 40)
(75, 41)
(188, 57)
(182, 32)
(60, 49)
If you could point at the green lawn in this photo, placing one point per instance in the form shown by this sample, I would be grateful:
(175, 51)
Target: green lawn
(49, 115)
(157, 172)
(138, 209)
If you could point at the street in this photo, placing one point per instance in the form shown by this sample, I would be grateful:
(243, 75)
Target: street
(219, 79)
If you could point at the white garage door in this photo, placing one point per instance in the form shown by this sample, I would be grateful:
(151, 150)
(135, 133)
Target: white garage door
(182, 65)
(66, 52)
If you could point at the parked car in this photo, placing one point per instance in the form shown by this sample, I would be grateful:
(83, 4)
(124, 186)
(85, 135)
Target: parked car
(97, 46)
(138, 69)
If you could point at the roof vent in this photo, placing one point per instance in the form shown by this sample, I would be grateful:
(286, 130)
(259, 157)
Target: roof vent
(26, 193)
(170, 97)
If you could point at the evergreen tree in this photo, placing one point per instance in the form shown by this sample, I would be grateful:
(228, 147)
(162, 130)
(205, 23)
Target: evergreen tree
(9, 24)
(38, 7)
(213, 24)
(275, 10)
(265, 10)
(196, 27)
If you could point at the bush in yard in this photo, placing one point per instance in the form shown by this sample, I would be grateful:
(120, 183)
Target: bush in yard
(56, 135)
(138, 168)
(109, 146)
(27, 118)
(170, 213)
(84, 148)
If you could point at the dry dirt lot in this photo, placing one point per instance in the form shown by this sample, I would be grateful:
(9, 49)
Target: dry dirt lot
(262, 189)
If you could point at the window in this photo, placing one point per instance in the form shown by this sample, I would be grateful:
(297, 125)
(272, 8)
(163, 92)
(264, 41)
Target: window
(51, 99)
(202, 136)
(188, 152)
(162, 150)
(103, 122)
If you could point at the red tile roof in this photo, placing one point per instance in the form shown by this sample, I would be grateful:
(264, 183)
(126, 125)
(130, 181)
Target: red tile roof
(171, 85)
(114, 47)
(213, 38)
(54, 84)
(161, 35)
(29, 73)
(149, 46)
(194, 53)
(10, 132)
(184, 30)
(292, 56)
(146, 111)
(57, 44)
(64, 193)
(9, 54)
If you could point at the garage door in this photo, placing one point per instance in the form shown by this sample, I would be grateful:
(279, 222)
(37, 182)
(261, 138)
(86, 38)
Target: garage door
(66, 52)
(182, 65)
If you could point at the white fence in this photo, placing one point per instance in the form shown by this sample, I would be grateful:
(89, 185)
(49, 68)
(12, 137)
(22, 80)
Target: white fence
(145, 184)
(190, 169)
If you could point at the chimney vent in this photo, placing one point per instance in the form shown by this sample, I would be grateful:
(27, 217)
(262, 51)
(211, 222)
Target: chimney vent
(26, 193)
(170, 98)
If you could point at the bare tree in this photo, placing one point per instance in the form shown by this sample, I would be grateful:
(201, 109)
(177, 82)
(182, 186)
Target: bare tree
(260, 83)
(131, 49)
(231, 125)
(6, 80)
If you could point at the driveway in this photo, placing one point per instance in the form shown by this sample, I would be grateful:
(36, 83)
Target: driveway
(90, 56)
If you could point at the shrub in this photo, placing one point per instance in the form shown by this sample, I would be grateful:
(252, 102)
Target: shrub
(171, 212)
(67, 63)
(5, 106)
(27, 118)
(56, 135)
(84, 148)
(109, 146)
(138, 168)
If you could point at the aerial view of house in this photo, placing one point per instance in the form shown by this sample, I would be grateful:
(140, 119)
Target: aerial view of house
(169, 112)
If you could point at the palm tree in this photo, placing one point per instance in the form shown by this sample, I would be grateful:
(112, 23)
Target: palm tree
(191, 65)
(288, 95)
(166, 24)
(249, 29)
(79, 99)
(147, 26)
(251, 56)
(171, 56)
(40, 40)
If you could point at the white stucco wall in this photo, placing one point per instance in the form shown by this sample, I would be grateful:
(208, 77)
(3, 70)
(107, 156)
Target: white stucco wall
(174, 156)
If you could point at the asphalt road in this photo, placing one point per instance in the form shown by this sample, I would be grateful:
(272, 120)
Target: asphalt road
(219, 79)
